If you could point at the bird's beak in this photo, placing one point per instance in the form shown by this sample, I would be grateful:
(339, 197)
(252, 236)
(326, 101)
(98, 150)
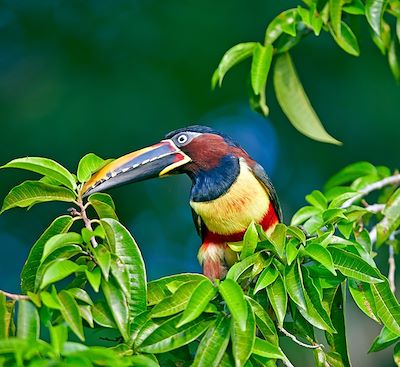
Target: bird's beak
(153, 161)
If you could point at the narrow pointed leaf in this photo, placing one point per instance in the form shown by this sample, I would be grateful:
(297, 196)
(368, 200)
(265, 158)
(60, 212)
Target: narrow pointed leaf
(71, 314)
(32, 192)
(204, 292)
(45, 167)
(295, 103)
(322, 255)
(234, 298)
(102, 315)
(335, 9)
(29, 271)
(294, 285)
(347, 40)
(94, 278)
(363, 297)
(126, 249)
(28, 326)
(213, 344)
(384, 340)
(262, 57)
(60, 240)
(278, 238)
(241, 266)
(391, 220)
(266, 278)
(374, 10)
(90, 164)
(265, 349)
(278, 297)
(250, 240)
(353, 266)
(303, 214)
(57, 270)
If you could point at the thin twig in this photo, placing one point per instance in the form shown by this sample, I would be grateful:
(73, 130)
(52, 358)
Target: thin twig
(297, 341)
(15, 296)
(392, 270)
(391, 180)
(287, 363)
(86, 221)
(375, 208)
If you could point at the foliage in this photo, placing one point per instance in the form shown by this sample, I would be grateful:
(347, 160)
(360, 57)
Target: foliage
(86, 272)
(287, 29)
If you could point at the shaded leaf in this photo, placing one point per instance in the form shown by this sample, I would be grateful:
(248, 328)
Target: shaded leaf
(350, 173)
(322, 255)
(71, 314)
(94, 278)
(278, 238)
(102, 315)
(241, 266)
(294, 102)
(267, 277)
(28, 326)
(60, 240)
(391, 220)
(294, 285)
(278, 297)
(385, 339)
(363, 297)
(90, 164)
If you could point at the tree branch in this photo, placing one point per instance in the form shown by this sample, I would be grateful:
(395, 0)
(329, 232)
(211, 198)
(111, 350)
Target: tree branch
(86, 220)
(15, 296)
(297, 341)
(391, 180)
(392, 270)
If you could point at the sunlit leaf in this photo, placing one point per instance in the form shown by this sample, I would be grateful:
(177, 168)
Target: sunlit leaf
(241, 266)
(284, 22)
(295, 103)
(262, 57)
(350, 173)
(335, 10)
(347, 40)
(90, 164)
(362, 295)
(60, 240)
(294, 285)
(385, 339)
(103, 204)
(322, 255)
(102, 315)
(374, 10)
(250, 240)
(267, 277)
(303, 214)
(94, 278)
(32, 192)
(57, 270)
(278, 297)
(265, 349)
(45, 167)
(80, 294)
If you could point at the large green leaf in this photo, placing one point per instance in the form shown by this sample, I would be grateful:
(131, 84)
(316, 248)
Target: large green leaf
(294, 285)
(267, 277)
(118, 304)
(45, 167)
(57, 270)
(125, 247)
(71, 314)
(168, 336)
(60, 240)
(32, 192)
(29, 271)
(213, 344)
(303, 214)
(157, 289)
(250, 240)
(265, 349)
(374, 10)
(234, 298)
(28, 326)
(346, 39)
(243, 338)
(278, 297)
(363, 297)
(335, 10)
(103, 205)
(278, 239)
(353, 266)
(241, 266)
(387, 307)
(262, 57)
(384, 340)
(295, 103)
(322, 255)
(233, 56)
(391, 219)
(204, 292)
(90, 164)
(102, 315)
(176, 302)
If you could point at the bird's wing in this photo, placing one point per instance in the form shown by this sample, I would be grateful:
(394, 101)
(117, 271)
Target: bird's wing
(199, 224)
(263, 177)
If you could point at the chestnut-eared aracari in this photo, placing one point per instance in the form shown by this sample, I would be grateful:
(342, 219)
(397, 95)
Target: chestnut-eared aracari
(229, 189)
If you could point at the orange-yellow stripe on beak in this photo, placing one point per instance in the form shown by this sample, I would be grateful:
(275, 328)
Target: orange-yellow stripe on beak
(152, 161)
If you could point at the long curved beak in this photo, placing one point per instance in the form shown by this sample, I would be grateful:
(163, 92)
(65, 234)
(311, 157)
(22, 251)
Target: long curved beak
(153, 161)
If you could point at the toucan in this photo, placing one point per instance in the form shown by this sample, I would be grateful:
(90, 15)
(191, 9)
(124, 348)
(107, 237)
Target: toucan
(229, 189)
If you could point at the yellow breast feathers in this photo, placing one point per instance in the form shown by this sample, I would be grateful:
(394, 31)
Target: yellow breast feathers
(245, 201)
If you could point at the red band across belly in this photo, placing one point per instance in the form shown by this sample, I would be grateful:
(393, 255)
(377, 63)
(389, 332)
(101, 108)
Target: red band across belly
(270, 218)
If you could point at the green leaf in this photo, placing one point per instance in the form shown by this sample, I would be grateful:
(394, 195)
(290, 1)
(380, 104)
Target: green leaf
(278, 297)
(374, 10)
(295, 103)
(350, 173)
(103, 259)
(267, 277)
(70, 312)
(86, 313)
(102, 315)
(296, 233)
(168, 336)
(213, 344)
(388, 309)
(94, 278)
(204, 292)
(250, 240)
(58, 241)
(103, 204)
(362, 295)
(176, 302)
(285, 22)
(322, 255)
(58, 337)
(6, 316)
(127, 250)
(317, 199)
(383, 340)
(294, 285)
(234, 298)
(391, 220)
(118, 305)
(32, 192)
(29, 271)
(233, 56)
(335, 10)
(303, 214)
(57, 270)
(157, 290)
(356, 7)
(262, 57)
(81, 295)
(353, 266)
(315, 313)
(291, 251)
(50, 300)
(28, 326)
(241, 266)
(278, 239)
(243, 338)
(90, 164)
(45, 167)
(346, 39)
(265, 349)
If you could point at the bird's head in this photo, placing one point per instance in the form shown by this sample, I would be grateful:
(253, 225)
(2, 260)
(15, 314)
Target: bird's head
(189, 150)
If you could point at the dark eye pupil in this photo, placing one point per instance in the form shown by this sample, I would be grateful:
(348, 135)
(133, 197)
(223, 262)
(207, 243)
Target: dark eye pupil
(182, 139)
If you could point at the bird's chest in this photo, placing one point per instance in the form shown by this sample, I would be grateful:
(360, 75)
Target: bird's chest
(245, 201)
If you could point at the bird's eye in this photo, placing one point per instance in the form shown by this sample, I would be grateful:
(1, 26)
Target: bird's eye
(182, 139)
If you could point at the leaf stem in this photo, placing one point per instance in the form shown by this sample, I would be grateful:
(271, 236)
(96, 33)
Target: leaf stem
(15, 296)
(391, 180)
(86, 220)
(297, 341)
(392, 270)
